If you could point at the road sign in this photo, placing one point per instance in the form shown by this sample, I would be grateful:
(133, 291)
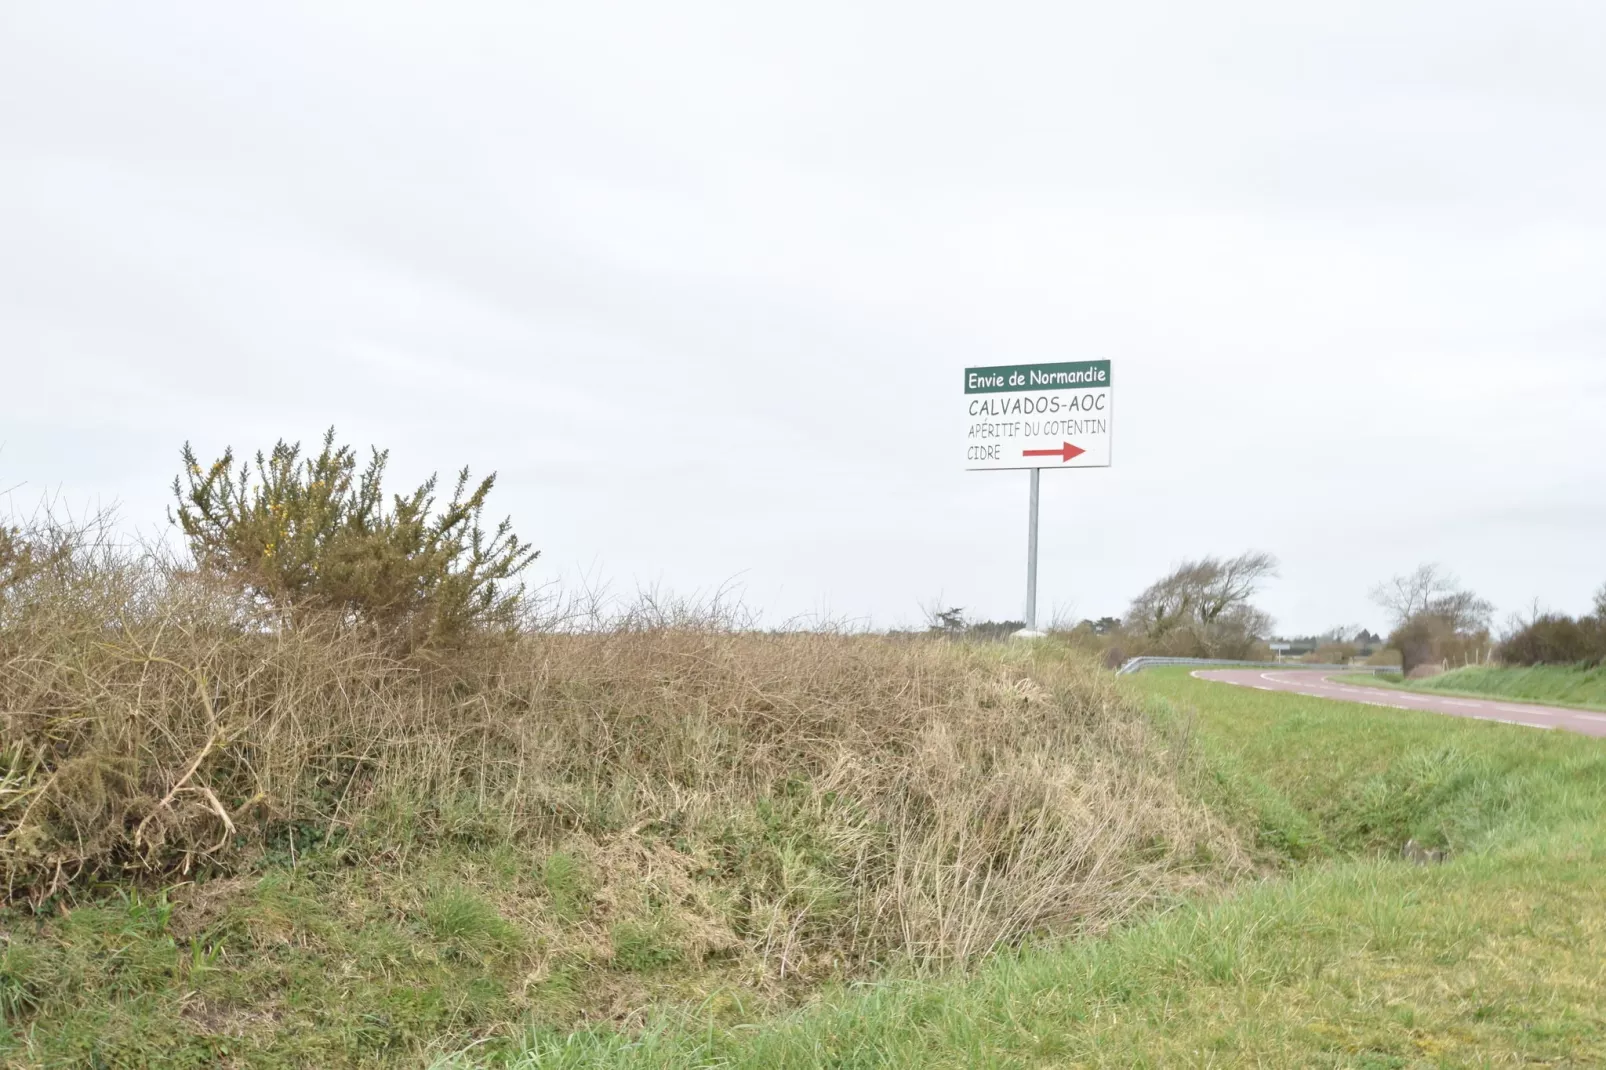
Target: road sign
(1038, 416)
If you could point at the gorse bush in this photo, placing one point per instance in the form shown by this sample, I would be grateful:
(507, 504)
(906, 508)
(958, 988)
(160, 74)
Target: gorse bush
(24, 553)
(16, 557)
(312, 537)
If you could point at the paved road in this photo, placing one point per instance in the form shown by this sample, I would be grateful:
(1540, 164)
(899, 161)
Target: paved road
(1309, 682)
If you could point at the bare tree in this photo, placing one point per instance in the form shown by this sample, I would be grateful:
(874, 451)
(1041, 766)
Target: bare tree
(1406, 596)
(1436, 620)
(1204, 604)
(1464, 611)
(1231, 583)
(1168, 602)
(1431, 591)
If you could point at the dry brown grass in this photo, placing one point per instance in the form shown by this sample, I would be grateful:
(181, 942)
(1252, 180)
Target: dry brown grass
(812, 802)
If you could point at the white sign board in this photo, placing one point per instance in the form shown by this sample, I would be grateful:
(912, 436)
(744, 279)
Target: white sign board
(1038, 415)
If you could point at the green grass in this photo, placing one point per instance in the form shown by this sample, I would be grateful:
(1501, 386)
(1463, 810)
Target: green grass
(1365, 778)
(324, 964)
(1368, 965)
(1340, 955)
(1551, 685)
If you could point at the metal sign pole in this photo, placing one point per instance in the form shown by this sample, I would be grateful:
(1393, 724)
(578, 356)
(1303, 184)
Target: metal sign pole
(1031, 559)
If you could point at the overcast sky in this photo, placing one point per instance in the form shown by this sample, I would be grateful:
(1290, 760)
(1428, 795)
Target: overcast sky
(697, 280)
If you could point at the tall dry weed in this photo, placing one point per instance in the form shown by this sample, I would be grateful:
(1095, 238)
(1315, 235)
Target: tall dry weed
(818, 801)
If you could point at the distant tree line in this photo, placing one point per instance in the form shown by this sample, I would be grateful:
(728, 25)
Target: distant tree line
(1201, 608)
(1557, 639)
(1204, 608)
(1438, 622)
(952, 623)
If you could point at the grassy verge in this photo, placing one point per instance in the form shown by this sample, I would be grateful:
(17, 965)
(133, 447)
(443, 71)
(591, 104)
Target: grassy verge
(1489, 961)
(472, 945)
(1362, 960)
(1548, 685)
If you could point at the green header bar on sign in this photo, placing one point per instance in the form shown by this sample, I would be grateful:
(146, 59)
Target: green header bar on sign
(1008, 378)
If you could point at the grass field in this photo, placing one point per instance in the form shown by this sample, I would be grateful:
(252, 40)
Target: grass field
(470, 950)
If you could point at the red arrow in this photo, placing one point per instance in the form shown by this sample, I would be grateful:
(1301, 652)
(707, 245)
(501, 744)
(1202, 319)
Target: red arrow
(1064, 453)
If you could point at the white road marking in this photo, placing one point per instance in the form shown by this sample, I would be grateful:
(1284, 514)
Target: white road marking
(1468, 705)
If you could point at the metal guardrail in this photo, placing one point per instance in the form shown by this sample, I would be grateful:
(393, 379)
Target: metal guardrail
(1132, 665)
